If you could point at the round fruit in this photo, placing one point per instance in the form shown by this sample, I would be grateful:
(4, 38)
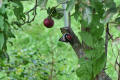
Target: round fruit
(48, 22)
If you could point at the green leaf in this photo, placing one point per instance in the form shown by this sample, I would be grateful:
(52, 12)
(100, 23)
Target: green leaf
(1, 23)
(98, 64)
(98, 7)
(109, 3)
(70, 5)
(109, 14)
(98, 50)
(91, 67)
(87, 38)
(0, 3)
(59, 13)
(84, 72)
(2, 10)
(117, 20)
(8, 31)
(1, 40)
(117, 3)
(55, 12)
(51, 11)
(77, 14)
(89, 53)
(61, 1)
(18, 10)
(97, 30)
(3, 75)
(42, 3)
(87, 15)
(48, 10)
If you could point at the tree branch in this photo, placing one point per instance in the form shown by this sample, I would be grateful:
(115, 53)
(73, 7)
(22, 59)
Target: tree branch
(24, 21)
(75, 43)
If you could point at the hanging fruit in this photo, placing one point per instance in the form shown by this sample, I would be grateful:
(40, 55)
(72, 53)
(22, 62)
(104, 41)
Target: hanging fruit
(48, 22)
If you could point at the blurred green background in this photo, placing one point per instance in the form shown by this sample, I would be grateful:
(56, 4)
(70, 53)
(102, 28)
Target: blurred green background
(32, 50)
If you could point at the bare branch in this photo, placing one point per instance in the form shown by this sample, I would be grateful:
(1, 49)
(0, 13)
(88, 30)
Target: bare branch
(106, 38)
(34, 9)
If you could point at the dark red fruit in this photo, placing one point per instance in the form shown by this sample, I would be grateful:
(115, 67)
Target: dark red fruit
(48, 22)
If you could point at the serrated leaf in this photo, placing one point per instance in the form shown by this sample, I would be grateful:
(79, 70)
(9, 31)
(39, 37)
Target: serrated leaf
(87, 38)
(1, 40)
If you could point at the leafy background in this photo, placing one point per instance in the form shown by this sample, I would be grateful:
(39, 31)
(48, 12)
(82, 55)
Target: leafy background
(33, 46)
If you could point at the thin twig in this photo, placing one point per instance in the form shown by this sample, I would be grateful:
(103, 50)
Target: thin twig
(117, 56)
(32, 9)
(69, 16)
(106, 38)
(28, 14)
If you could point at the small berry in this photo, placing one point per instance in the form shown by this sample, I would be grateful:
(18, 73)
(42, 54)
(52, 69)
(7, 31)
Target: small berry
(48, 22)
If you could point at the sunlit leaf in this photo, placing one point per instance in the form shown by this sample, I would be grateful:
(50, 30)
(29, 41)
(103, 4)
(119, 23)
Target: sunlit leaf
(70, 5)
(42, 3)
(117, 3)
(109, 14)
(87, 15)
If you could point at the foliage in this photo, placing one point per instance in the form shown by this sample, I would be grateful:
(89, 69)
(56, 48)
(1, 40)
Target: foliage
(29, 54)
